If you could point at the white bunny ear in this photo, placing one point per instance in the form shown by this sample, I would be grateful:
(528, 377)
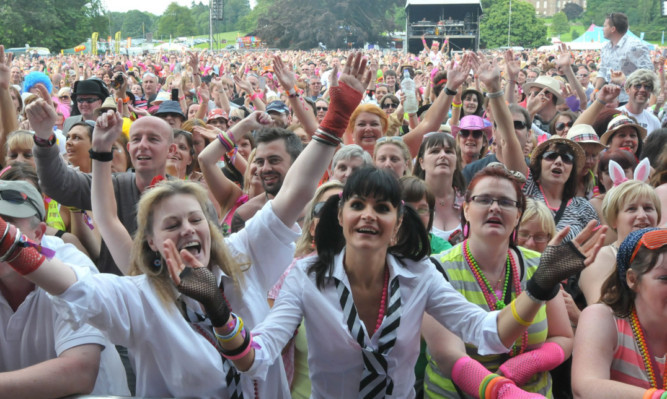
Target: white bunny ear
(616, 173)
(643, 170)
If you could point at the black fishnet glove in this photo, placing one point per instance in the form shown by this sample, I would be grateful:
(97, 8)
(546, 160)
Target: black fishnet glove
(557, 263)
(200, 285)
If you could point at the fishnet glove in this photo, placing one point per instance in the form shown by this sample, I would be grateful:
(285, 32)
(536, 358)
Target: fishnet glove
(557, 263)
(521, 368)
(200, 285)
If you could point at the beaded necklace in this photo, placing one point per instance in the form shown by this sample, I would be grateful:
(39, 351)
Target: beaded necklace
(383, 300)
(640, 339)
(547, 202)
(492, 300)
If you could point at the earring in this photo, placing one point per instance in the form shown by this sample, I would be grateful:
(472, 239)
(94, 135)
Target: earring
(157, 260)
(514, 234)
(465, 229)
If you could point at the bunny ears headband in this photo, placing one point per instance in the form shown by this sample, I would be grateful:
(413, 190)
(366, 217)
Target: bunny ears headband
(617, 174)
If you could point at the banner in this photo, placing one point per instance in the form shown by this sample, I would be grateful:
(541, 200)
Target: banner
(117, 46)
(93, 46)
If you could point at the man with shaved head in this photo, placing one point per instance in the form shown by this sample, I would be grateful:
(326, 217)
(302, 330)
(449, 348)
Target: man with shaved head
(151, 139)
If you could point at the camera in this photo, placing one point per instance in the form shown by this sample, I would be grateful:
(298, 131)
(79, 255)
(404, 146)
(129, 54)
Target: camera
(118, 81)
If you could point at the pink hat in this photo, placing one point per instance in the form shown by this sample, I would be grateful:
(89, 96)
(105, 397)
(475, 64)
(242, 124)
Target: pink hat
(473, 122)
(217, 113)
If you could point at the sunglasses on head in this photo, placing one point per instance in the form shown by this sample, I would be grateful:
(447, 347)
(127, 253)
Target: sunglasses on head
(476, 134)
(562, 125)
(567, 158)
(390, 105)
(322, 108)
(17, 197)
(86, 100)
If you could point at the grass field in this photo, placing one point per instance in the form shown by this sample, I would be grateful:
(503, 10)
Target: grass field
(230, 37)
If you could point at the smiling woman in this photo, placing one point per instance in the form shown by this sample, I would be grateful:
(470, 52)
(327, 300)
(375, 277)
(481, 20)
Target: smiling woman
(79, 142)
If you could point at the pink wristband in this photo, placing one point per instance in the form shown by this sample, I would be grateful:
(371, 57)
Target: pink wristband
(244, 353)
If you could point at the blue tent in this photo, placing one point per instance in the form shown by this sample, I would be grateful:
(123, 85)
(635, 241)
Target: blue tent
(594, 34)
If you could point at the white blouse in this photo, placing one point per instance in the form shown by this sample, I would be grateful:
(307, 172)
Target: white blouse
(334, 356)
(170, 358)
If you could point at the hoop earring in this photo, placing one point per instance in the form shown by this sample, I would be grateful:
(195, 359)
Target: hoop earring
(157, 260)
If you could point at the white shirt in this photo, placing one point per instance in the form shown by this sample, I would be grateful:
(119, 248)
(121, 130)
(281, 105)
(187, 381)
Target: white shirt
(170, 358)
(334, 356)
(645, 119)
(36, 333)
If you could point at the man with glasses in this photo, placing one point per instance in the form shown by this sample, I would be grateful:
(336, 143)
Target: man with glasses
(36, 343)
(639, 86)
(151, 86)
(621, 53)
(87, 96)
(583, 75)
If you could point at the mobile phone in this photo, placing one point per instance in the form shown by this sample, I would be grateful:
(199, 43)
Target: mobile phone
(174, 94)
(262, 83)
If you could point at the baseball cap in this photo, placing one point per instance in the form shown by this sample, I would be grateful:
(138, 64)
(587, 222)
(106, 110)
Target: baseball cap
(20, 199)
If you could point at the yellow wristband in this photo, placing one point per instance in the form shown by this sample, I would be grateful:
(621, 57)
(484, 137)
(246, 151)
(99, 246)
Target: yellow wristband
(517, 317)
(456, 105)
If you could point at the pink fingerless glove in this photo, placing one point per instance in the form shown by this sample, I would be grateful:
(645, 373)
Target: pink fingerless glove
(344, 101)
(468, 375)
(23, 260)
(521, 368)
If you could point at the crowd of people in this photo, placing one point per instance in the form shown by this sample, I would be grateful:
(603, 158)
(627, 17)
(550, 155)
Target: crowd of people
(277, 224)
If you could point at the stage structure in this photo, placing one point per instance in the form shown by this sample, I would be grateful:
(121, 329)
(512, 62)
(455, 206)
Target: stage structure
(436, 19)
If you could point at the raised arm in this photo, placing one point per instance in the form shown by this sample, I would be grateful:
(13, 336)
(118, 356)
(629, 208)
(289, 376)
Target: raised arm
(204, 95)
(302, 177)
(288, 82)
(65, 185)
(564, 63)
(223, 189)
(512, 156)
(606, 95)
(436, 114)
(8, 119)
(512, 68)
(107, 130)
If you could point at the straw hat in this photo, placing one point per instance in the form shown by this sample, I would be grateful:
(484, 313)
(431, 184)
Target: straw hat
(546, 82)
(579, 154)
(585, 135)
(620, 122)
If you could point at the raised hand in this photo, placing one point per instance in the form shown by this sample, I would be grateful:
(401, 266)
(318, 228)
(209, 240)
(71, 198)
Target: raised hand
(536, 101)
(512, 65)
(354, 73)
(488, 73)
(108, 128)
(243, 84)
(608, 93)
(5, 64)
(204, 93)
(564, 60)
(457, 73)
(41, 114)
(617, 78)
(283, 73)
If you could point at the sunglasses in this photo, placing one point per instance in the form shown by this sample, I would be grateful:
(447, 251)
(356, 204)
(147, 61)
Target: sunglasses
(322, 108)
(647, 86)
(80, 100)
(390, 105)
(568, 159)
(17, 197)
(519, 125)
(235, 118)
(476, 134)
(317, 209)
(562, 125)
(651, 240)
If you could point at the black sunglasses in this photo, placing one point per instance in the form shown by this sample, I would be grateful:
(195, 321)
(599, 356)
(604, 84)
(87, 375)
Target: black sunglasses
(86, 100)
(322, 108)
(390, 105)
(475, 133)
(568, 159)
(518, 125)
(562, 125)
(317, 209)
(17, 197)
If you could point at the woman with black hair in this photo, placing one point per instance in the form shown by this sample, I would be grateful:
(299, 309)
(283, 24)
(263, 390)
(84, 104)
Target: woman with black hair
(364, 294)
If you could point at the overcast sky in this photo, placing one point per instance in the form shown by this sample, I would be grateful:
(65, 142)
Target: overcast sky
(156, 7)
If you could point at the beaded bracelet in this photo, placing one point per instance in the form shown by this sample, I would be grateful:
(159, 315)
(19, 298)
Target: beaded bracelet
(226, 141)
(517, 317)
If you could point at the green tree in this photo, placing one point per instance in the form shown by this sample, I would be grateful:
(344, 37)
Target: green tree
(572, 11)
(56, 24)
(335, 23)
(135, 23)
(560, 24)
(527, 30)
(176, 21)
